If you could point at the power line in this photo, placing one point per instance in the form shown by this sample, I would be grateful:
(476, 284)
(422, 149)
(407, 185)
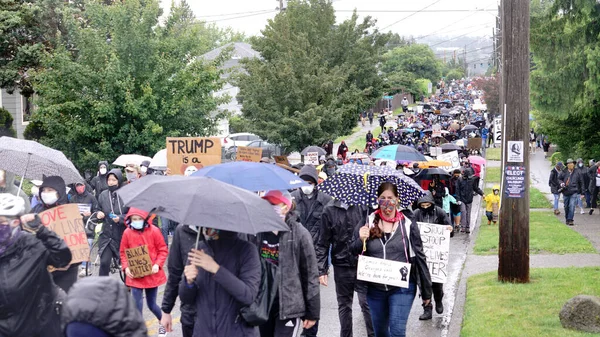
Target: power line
(414, 13)
(468, 51)
(453, 30)
(230, 14)
(417, 11)
(244, 16)
(452, 39)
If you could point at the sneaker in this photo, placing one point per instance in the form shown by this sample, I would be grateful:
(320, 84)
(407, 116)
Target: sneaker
(570, 223)
(162, 332)
(582, 211)
(468, 231)
(556, 212)
(82, 272)
(591, 211)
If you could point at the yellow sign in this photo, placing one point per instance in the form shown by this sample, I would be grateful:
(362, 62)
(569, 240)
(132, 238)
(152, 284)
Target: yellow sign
(138, 261)
(186, 155)
(245, 153)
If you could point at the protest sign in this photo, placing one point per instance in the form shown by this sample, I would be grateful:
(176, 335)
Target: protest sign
(436, 130)
(436, 246)
(393, 273)
(451, 157)
(311, 158)
(67, 223)
(251, 154)
(84, 208)
(138, 261)
(474, 144)
(186, 155)
(514, 181)
(435, 151)
(283, 160)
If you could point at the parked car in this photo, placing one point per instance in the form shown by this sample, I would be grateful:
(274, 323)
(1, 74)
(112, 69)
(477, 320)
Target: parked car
(238, 139)
(268, 150)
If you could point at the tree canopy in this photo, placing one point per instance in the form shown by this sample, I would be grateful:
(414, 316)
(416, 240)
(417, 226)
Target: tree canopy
(127, 82)
(417, 59)
(314, 76)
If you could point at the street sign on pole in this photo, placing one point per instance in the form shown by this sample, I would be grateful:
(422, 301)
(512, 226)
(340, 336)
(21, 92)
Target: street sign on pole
(388, 97)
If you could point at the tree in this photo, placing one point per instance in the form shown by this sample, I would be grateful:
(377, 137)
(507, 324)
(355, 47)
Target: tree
(314, 76)
(126, 85)
(6, 124)
(565, 84)
(491, 92)
(417, 59)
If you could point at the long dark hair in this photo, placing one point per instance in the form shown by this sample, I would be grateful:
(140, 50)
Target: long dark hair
(376, 232)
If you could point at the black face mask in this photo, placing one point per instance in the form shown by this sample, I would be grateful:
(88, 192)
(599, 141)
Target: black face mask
(113, 188)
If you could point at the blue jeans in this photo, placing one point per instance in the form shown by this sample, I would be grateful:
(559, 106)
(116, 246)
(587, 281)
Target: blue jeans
(390, 310)
(90, 242)
(151, 293)
(570, 204)
(166, 227)
(556, 199)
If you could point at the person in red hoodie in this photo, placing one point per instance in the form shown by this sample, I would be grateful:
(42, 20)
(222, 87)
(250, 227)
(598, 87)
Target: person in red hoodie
(140, 232)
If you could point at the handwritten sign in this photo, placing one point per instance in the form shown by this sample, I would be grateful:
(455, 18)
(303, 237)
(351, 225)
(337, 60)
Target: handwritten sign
(283, 160)
(393, 273)
(451, 157)
(67, 223)
(436, 130)
(311, 158)
(245, 153)
(84, 208)
(436, 245)
(186, 155)
(138, 260)
(474, 143)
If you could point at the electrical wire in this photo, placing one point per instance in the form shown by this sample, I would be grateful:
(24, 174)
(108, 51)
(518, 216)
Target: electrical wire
(230, 14)
(452, 39)
(244, 16)
(408, 16)
(418, 11)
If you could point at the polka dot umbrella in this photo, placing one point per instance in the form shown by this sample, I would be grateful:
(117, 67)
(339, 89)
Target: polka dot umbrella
(357, 185)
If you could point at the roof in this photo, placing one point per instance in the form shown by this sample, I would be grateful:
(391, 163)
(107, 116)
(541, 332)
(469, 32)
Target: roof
(240, 50)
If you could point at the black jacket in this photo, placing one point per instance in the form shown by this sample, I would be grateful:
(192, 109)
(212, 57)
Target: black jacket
(573, 182)
(418, 271)
(99, 182)
(110, 202)
(298, 275)
(433, 214)
(310, 210)
(338, 224)
(104, 303)
(553, 182)
(184, 240)
(27, 293)
(583, 171)
(465, 187)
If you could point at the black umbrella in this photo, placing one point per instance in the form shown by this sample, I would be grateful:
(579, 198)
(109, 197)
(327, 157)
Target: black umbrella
(313, 148)
(430, 173)
(469, 128)
(450, 147)
(203, 202)
(479, 124)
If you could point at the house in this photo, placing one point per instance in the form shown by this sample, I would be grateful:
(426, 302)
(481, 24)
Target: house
(240, 50)
(19, 107)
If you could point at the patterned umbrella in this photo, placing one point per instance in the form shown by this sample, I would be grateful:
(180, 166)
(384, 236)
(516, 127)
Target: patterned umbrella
(398, 152)
(358, 184)
(33, 160)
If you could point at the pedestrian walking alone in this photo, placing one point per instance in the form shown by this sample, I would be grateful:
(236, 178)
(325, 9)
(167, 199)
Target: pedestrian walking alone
(571, 184)
(554, 184)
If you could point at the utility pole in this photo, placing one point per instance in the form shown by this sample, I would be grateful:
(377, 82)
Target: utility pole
(281, 9)
(513, 253)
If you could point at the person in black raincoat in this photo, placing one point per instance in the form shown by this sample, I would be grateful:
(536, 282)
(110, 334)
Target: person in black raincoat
(28, 296)
(297, 300)
(554, 184)
(112, 212)
(465, 188)
(53, 193)
(99, 181)
(184, 240)
(82, 196)
(338, 224)
(428, 212)
(223, 276)
(101, 306)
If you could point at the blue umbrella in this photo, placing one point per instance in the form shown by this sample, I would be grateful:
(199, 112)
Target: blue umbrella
(398, 152)
(252, 176)
(358, 184)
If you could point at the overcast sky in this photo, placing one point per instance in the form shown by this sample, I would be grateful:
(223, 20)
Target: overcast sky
(250, 16)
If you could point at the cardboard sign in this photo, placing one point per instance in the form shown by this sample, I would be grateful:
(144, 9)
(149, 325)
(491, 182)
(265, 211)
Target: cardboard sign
(138, 261)
(436, 131)
(311, 158)
(451, 157)
(283, 160)
(186, 155)
(393, 273)
(67, 223)
(474, 143)
(515, 151)
(251, 154)
(436, 245)
(435, 151)
(514, 181)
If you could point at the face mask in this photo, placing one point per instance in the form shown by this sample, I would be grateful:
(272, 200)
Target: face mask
(35, 190)
(137, 224)
(580, 165)
(80, 189)
(144, 169)
(210, 234)
(113, 188)
(8, 236)
(132, 177)
(49, 198)
(102, 171)
(386, 205)
(496, 192)
(308, 189)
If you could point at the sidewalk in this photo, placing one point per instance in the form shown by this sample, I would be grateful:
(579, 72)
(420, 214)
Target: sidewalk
(588, 226)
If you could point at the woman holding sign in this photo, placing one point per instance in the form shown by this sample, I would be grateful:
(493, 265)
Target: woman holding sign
(393, 235)
(143, 255)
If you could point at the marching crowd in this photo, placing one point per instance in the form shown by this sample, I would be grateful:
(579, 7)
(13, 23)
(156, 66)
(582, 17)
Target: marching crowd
(233, 284)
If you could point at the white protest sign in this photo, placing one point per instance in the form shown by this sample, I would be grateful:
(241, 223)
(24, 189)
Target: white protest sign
(312, 158)
(393, 273)
(436, 246)
(451, 157)
(435, 151)
(436, 131)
